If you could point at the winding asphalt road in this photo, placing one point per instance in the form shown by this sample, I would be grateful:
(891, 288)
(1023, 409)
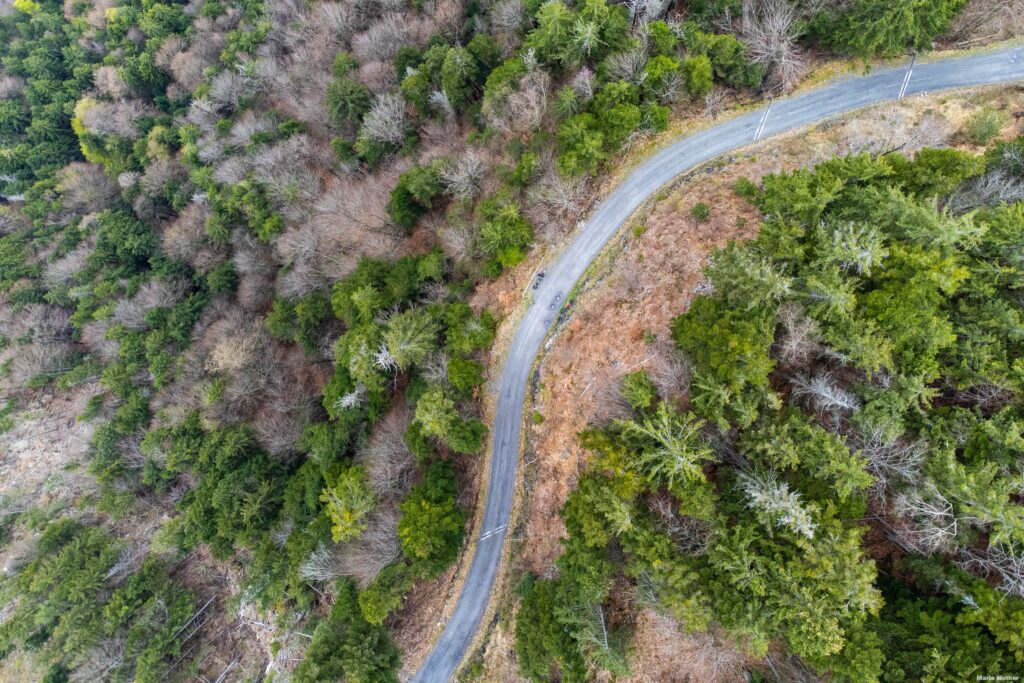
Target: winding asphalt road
(778, 117)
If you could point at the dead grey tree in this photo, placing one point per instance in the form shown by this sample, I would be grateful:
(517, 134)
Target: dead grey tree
(85, 188)
(715, 103)
(691, 535)
(1006, 563)
(769, 29)
(118, 118)
(385, 122)
(464, 177)
(627, 65)
(989, 396)
(893, 463)
(670, 370)
(388, 461)
(799, 341)
(643, 11)
(824, 394)
(982, 21)
(377, 547)
(932, 525)
(381, 41)
(322, 565)
(97, 663)
(995, 187)
(507, 19)
(583, 83)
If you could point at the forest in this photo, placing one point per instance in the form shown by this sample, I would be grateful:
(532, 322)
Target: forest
(242, 242)
(843, 476)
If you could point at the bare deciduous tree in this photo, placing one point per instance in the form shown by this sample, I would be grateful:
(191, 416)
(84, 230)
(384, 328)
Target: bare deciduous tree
(769, 29)
(161, 172)
(691, 535)
(627, 65)
(280, 423)
(385, 122)
(40, 360)
(507, 18)
(606, 388)
(388, 461)
(629, 281)
(382, 40)
(186, 240)
(322, 564)
(228, 87)
(790, 668)
(983, 21)
(337, 18)
(63, 271)
(995, 187)
(715, 103)
(85, 188)
(110, 83)
(377, 547)
(464, 177)
(458, 241)
(94, 337)
(113, 118)
(554, 202)
(155, 293)
(669, 370)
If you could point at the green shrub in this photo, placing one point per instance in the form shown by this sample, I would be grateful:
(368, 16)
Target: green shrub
(639, 391)
(697, 75)
(986, 125)
(414, 195)
(504, 232)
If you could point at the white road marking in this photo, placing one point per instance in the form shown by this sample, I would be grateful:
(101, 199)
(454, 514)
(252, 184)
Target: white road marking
(760, 127)
(906, 79)
(492, 532)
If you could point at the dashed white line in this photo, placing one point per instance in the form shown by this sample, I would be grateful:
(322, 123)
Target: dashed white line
(906, 79)
(492, 532)
(764, 118)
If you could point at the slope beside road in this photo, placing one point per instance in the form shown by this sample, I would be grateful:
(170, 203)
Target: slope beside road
(778, 117)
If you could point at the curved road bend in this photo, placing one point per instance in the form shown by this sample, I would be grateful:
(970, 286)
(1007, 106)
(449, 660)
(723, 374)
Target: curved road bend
(780, 116)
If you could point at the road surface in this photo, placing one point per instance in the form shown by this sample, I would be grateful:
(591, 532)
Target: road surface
(779, 116)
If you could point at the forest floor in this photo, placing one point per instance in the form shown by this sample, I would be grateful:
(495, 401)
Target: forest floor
(648, 275)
